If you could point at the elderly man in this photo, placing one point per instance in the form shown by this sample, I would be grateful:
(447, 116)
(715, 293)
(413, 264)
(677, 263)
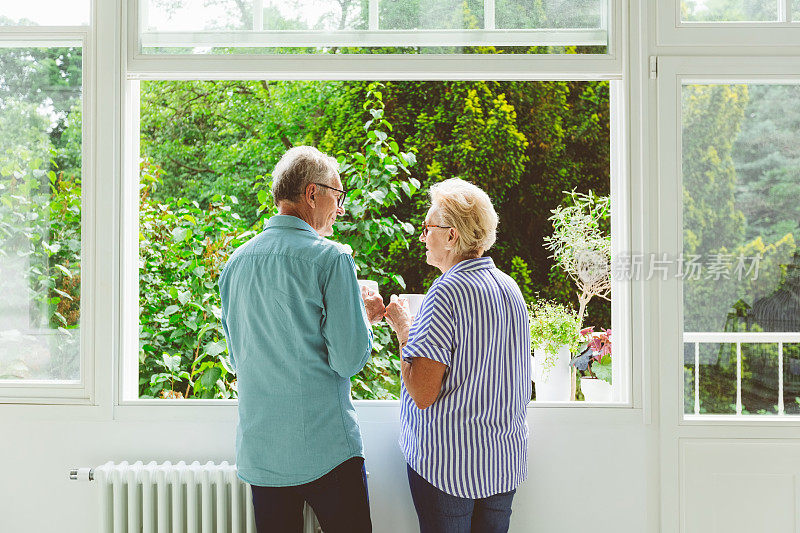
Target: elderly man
(298, 328)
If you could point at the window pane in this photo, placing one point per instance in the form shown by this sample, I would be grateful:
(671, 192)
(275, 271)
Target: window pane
(45, 13)
(372, 26)
(729, 10)
(208, 148)
(197, 15)
(519, 14)
(791, 378)
(427, 15)
(740, 265)
(40, 213)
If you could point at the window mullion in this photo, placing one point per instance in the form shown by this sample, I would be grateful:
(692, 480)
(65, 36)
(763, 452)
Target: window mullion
(784, 11)
(258, 15)
(373, 15)
(489, 14)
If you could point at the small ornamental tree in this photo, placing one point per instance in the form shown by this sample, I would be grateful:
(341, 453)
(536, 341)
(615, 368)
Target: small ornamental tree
(581, 245)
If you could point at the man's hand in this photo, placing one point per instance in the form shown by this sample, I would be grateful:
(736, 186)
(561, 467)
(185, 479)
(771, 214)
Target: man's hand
(399, 318)
(373, 303)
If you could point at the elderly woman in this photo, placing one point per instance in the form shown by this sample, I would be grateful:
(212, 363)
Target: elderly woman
(466, 372)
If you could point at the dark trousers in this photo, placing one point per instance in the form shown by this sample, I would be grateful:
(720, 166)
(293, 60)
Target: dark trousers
(339, 499)
(439, 512)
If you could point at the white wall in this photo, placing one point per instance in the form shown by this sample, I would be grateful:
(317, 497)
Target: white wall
(587, 466)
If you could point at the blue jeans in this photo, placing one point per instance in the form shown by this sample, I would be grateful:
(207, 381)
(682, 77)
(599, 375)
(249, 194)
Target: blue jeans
(339, 499)
(439, 512)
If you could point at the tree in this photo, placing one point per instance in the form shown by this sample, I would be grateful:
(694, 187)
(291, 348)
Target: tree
(712, 226)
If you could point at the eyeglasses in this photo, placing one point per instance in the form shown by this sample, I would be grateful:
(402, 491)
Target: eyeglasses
(426, 226)
(340, 198)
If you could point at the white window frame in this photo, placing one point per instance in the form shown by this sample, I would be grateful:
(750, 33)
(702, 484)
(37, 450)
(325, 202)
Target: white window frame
(373, 36)
(673, 73)
(82, 390)
(611, 66)
(378, 66)
(781, 37)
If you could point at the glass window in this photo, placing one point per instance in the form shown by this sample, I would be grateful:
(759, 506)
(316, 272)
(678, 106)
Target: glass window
(520, 14)
(45, 13)
(740, 265)
(40, 213)
(730, 10)
(373, 26)
(207, 148)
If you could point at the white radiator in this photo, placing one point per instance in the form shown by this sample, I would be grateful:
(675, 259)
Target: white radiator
(177, 498)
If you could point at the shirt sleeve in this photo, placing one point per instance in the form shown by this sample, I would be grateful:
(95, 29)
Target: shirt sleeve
(345, 327)
(432, 334)
(223, 291)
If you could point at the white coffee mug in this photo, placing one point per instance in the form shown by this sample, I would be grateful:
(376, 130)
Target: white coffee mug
(414, 302)
(369, 284)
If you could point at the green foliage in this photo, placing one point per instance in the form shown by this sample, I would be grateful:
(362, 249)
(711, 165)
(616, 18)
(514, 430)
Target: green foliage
(184, 245)
(374, 176)
(712, 224)
(553, 325)
(182, 250)
(523, 142)
(40, 213)
(378, 178)
(602, 368)
(522, 275)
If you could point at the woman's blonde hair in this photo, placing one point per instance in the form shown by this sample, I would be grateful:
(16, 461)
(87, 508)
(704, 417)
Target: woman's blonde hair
(469, 210)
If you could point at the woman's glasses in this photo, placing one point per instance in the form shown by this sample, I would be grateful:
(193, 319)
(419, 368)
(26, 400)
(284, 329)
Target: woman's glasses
(426, 226)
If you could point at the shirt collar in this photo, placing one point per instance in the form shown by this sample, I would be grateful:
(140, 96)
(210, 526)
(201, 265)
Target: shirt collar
(288, 221)
(470, 265)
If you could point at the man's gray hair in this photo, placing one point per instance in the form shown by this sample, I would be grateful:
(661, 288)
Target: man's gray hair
(298, 167)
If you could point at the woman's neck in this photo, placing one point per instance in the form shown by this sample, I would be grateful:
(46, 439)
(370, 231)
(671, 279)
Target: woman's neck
(450, 262)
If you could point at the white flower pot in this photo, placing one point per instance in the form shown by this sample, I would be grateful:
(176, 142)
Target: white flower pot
(553, 382)
(596, 390)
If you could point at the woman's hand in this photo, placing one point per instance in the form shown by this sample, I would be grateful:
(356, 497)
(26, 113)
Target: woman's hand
(373, 304)
(399, 318)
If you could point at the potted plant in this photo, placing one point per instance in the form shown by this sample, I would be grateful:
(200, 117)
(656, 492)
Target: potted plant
(554, 337)
(594, 365)
(581, 247)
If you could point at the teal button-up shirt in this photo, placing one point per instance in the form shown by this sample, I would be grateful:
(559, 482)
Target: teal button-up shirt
(297, 331)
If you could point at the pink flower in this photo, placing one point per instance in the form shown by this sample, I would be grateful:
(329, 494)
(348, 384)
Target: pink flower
(599, 342)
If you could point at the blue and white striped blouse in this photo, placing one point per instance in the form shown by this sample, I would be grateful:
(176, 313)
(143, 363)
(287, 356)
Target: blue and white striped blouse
(472, 442)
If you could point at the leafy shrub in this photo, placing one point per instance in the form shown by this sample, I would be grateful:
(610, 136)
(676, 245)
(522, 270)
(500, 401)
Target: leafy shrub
(182, 250)
(184, 246)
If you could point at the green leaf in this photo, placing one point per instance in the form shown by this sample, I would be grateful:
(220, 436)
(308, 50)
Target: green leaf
(184, 297)
(179, 234)
(215, 348)
(399, 280)
(602, 368)
(171, 362)
(209, 378)
(171, 309)
(64, 270)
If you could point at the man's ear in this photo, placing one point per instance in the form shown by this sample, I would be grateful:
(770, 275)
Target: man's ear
(310, 191)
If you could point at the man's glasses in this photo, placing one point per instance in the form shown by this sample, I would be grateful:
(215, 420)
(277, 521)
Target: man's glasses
(340, 198)
(426, 226)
